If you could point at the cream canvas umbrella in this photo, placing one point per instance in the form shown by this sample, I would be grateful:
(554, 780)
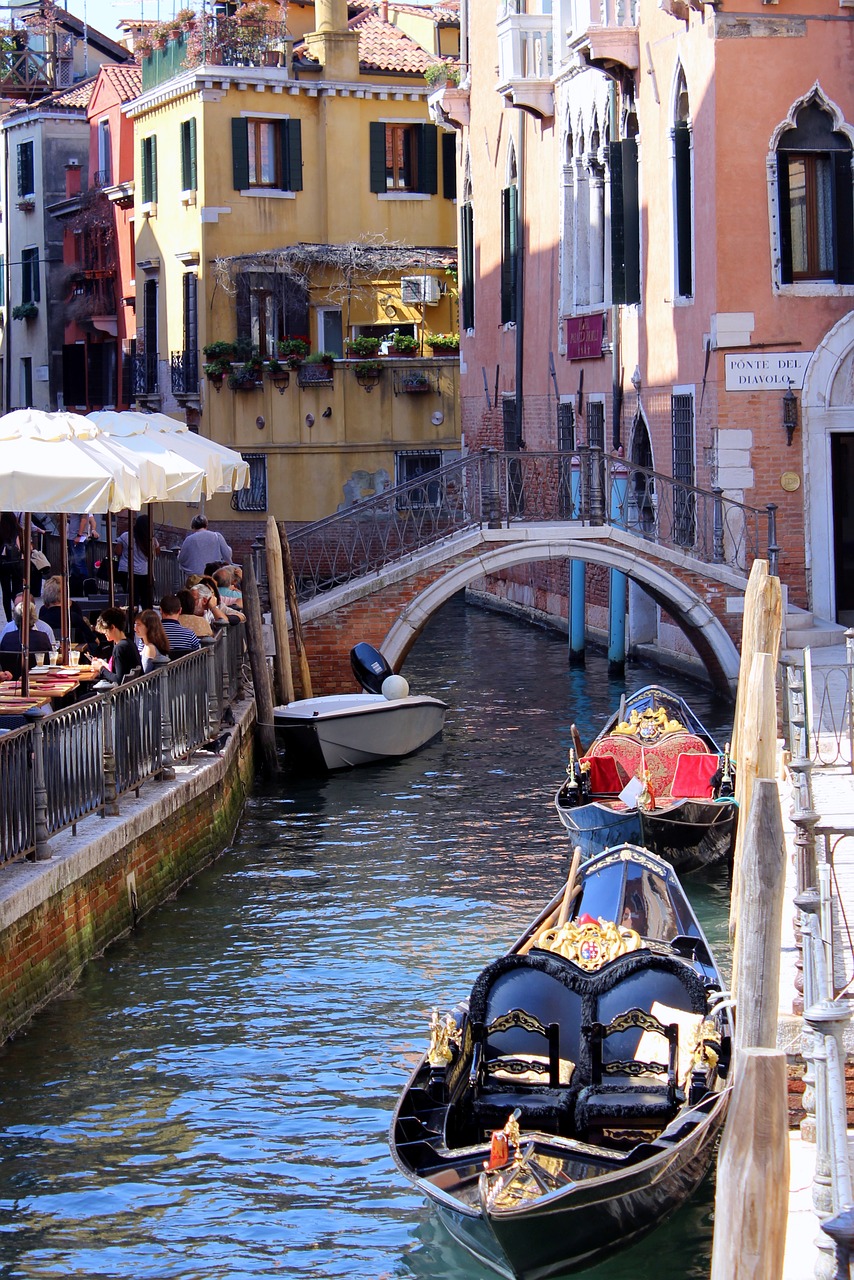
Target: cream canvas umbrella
(225, 470)
(181, 479)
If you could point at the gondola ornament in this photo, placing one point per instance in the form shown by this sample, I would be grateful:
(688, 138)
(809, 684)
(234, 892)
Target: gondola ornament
(443, 1033)
(590, 943)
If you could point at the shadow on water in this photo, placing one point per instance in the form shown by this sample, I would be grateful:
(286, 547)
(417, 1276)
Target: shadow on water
(212, 1099)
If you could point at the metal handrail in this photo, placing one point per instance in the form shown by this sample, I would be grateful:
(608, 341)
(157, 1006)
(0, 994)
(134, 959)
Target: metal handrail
(84, 758)
(819, 709)
(498, 489)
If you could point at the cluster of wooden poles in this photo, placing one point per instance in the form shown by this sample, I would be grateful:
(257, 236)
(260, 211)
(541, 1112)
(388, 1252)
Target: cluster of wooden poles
(752, 1197)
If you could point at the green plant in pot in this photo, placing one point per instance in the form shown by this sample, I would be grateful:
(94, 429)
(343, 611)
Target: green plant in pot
(294, 350)
(442, 342)
(403, 344)
(321, 357)
(363, 345)
(25, 311)
(219, 351)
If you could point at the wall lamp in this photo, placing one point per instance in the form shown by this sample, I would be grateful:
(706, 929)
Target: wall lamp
(790, 413)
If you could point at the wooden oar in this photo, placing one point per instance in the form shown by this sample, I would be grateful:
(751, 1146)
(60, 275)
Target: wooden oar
(560, 914)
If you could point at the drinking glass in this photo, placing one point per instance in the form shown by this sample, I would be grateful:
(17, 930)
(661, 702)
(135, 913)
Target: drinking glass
(54, 655)
(74, 657)
(39, 659)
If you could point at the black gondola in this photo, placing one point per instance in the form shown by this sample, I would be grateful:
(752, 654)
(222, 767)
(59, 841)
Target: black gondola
(573, 1102)
(656, 777)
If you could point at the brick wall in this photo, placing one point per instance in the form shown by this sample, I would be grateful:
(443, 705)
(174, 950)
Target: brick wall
(86, 904)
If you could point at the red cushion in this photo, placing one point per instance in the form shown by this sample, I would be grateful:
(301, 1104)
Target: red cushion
(626, 751)
(693, 776)
(605, 776)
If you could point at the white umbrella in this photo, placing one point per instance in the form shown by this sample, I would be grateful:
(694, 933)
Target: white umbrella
(172, 476)
(225, 470)
(47, 465)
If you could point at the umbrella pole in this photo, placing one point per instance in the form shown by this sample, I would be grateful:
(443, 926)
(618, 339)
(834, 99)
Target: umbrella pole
(130, 572)
(150, 556)
(111, 568)
(25, 607)
(65, 598)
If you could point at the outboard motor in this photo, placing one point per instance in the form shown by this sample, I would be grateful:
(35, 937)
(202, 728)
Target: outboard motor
(369, 667)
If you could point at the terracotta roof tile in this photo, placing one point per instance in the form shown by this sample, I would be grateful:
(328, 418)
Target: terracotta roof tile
(384, 47)
(127, 78)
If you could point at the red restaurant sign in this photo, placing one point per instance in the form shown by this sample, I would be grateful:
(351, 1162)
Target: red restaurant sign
(584, 337)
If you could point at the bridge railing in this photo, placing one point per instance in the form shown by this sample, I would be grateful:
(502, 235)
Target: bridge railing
(497, 489)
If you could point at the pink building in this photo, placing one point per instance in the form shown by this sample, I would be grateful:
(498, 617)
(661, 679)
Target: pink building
(657, 205)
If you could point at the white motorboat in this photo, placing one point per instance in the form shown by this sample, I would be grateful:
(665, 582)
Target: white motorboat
(343, 730)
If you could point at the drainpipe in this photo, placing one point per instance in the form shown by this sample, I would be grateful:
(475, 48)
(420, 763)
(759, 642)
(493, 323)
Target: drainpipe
(8, 271)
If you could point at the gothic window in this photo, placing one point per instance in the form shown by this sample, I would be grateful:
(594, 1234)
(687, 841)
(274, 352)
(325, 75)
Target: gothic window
(814, 200)
(683, 191)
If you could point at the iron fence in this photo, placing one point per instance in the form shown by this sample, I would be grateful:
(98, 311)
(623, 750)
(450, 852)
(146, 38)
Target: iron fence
(185, 373)
(84, 758)
(819, 709)
(498, 489)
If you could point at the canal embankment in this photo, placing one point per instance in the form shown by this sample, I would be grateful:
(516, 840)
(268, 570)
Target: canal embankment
(58, 913)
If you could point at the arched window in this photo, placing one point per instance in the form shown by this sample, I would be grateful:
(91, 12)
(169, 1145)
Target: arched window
(814, 195)
(683, 194)
(567, 238)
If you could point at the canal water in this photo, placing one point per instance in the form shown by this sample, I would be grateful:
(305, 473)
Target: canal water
(211, 1101)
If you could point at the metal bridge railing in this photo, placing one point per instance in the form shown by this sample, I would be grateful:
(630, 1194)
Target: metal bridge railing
(498, 489)
(819, 709)
(84, 758)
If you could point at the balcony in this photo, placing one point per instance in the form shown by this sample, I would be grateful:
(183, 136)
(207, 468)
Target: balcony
(32, 63)
(605, 35)
(144, 381)
(185, 375)
(219, 41)
(525, 59)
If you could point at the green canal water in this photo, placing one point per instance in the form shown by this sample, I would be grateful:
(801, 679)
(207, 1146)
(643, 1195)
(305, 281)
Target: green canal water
(211, 1101)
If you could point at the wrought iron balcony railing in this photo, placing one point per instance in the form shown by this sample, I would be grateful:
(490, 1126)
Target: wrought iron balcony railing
(185, 373)
(144, 373)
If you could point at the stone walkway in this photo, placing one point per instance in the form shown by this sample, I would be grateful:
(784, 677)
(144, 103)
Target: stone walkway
(833, 798)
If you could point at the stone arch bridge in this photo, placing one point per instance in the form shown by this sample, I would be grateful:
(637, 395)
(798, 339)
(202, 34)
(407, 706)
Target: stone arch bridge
(379, 570)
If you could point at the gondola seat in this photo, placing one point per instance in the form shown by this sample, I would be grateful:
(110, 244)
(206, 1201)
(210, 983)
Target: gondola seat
(640, 1094)
(516, 1065)
(660, 760)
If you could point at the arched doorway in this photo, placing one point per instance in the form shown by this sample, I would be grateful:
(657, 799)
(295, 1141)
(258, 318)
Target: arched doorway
(828, 424)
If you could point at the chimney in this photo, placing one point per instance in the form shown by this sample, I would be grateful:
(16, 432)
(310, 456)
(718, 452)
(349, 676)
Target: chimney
(72, 178)
(334, 45)
(384, 10)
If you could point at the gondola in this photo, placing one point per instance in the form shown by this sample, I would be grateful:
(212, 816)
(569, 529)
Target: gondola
(573, 1102)
(656, 777)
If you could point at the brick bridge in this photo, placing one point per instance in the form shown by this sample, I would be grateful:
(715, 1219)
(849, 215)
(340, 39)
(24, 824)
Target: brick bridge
(378, 571)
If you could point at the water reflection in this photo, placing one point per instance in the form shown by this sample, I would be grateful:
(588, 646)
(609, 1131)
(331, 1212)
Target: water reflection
(212, 1100)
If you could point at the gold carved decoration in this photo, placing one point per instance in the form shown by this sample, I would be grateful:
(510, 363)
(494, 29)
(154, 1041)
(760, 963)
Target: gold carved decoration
(706, 1046)
(592, 945)
(647, 725)
(444, 1032)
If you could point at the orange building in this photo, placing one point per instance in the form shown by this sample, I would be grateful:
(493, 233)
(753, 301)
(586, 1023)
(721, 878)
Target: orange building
(657, 256)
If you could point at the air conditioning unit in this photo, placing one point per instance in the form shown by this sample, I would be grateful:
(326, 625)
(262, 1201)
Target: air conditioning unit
(415, 291)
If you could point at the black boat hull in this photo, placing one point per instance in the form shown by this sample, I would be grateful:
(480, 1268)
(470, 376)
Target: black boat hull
(593, 1221)
(692, 835)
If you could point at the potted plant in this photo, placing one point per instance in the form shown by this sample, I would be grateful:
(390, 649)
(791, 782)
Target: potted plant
(25, 311)
(363, 345)
(294, 350)
(442, 342)
(403, 344)
(415, 382)
(216, 370)
(439, 73)
(219, 351)
(368, 373)
(246, 376)
(185, 19)
(159, 35)
(278, 374)
(316, 368)
(144, 45)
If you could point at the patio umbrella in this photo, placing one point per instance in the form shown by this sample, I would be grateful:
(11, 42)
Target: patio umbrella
(175, 477)
(225, 470)
(48, 464)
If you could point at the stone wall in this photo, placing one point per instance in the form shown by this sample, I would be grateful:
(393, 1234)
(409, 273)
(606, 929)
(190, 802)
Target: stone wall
(56, 915)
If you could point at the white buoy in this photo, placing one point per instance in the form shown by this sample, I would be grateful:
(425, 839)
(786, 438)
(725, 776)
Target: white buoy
(395, 687)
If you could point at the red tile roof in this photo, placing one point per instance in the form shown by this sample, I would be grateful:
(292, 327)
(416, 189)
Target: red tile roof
(127, 78)
(384, 47)
(75, 98)
(445, 13)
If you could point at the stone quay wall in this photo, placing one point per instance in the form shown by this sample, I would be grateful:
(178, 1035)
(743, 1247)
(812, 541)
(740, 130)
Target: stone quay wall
(58, 914)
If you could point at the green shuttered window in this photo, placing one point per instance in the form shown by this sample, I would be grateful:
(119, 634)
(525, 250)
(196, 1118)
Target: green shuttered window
(266, 153)
(404, 157)
(189, 172)
(148, 165)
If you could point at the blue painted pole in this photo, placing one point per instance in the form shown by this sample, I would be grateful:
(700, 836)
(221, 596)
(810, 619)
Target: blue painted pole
(577, 576)
(617, 583)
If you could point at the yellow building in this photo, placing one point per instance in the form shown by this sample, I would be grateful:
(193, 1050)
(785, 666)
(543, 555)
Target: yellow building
(289, 183)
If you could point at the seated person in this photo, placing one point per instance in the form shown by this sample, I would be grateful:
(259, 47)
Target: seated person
(193, 614)
(227, 580)
(11, 647)
(151, 640)
(181, 639)
(217, 608)
(124, 659)
(40, 626)
(51, 612)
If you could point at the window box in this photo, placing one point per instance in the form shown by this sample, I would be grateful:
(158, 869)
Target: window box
(315, 374)
(415, 384)
(25, 311)
(27, 205)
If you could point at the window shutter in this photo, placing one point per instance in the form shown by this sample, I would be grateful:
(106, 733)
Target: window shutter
(244, 309)
(2, 280)
(428, 159)
(784, 214)
(449, 166)
(291, 135)
(20, 169)
(508, 255)
(189, 180)
(631, 219)
(240, 153)
(467, 267)
(35, 281)
(684, 282)
(378, 179)
(153, 152)
(618, 241)
(143, 170)
(843, 239)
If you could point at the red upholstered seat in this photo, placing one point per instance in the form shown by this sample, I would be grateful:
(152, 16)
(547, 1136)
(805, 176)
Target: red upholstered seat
(625, 751)
(661, 759)
(693, 776)
(606, 777)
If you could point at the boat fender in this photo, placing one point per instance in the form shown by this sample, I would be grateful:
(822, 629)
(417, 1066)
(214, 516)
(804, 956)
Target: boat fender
(395, 687)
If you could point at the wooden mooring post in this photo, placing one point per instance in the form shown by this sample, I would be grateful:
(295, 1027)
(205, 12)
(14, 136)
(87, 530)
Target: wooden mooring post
(752, 1197)
(279, 613)
(260, 671)
(757, 758)
(761, 632)
(293, 607)
(758, 926)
